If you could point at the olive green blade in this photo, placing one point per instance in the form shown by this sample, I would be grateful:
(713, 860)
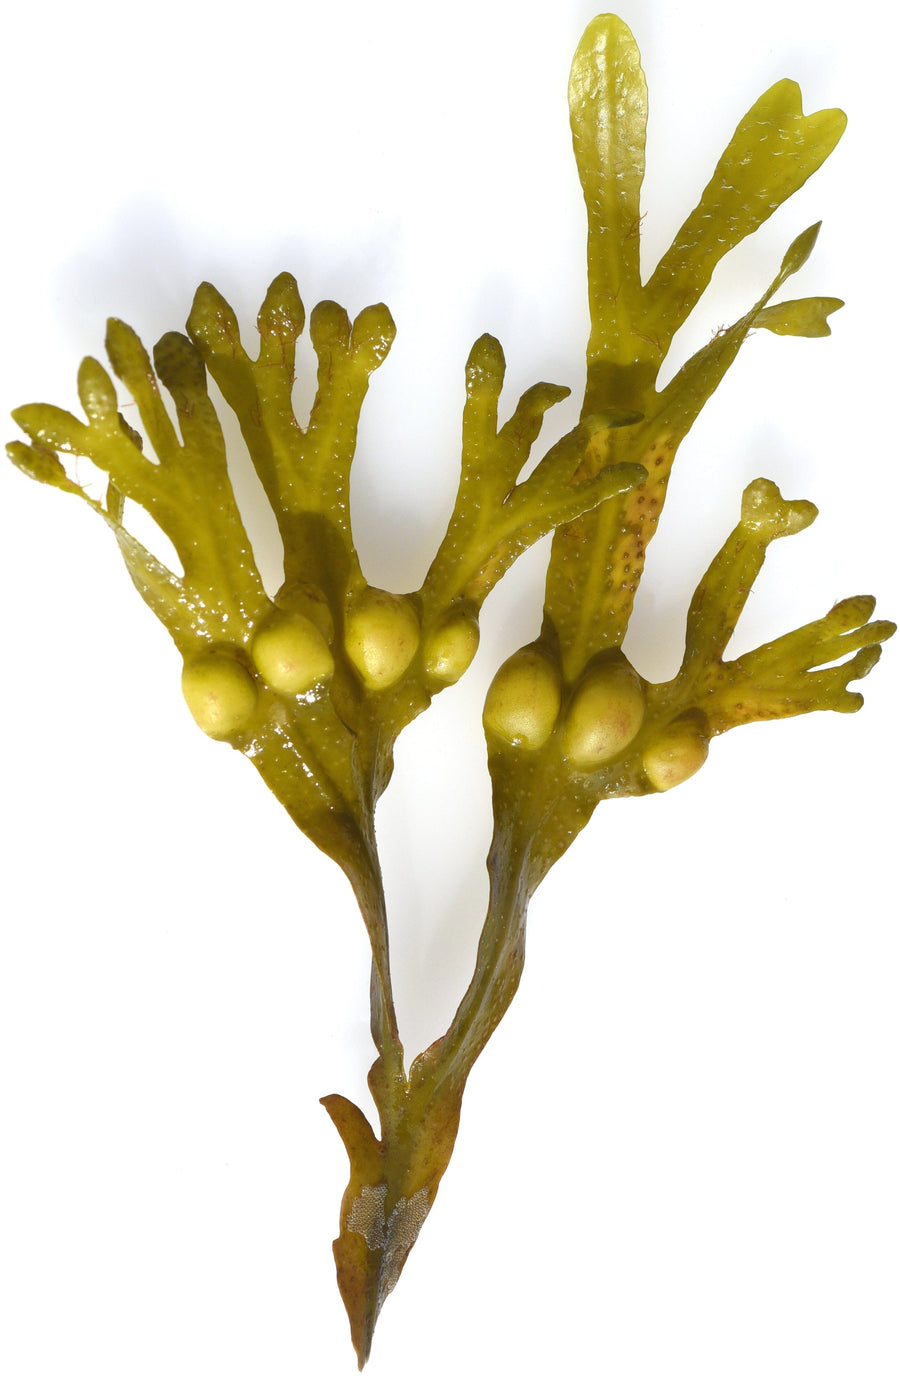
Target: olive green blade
(773, 151)
(608, 114)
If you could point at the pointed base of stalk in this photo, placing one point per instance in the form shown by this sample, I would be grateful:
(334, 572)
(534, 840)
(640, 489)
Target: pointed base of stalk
(357, 1281)
(393, 1183)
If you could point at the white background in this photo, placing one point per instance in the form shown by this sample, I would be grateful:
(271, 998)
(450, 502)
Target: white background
(678, 1155)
